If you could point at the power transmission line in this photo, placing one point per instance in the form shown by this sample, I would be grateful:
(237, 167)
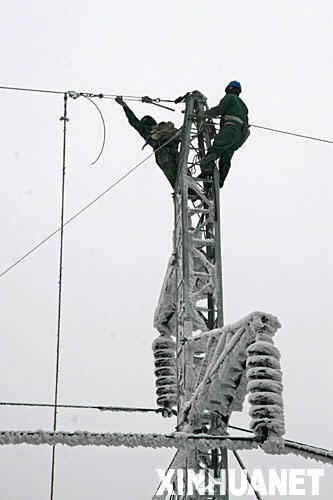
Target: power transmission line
(20, 89)
(139, 98)
(293, 133)
(129, 409)
(55, 406)
(83, 209)
(126, 409)
(77, 94)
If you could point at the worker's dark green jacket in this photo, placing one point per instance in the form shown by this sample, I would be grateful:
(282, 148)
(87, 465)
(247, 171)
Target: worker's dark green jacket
(167, 157)
(230, 104)
(232, 133)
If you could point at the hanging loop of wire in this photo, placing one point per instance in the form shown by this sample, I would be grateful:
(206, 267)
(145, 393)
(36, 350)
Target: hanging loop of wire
(75, 95)
(104, 129)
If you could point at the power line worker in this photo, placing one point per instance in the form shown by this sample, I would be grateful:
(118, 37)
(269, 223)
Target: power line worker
(234, 130)
(156, 134)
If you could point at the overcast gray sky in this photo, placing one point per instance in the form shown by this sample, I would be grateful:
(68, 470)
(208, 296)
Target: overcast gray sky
(276, 219)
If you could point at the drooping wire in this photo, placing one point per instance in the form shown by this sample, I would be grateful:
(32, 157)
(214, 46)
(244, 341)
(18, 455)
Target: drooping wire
(65, 120)
(83, 209)
(104, 129)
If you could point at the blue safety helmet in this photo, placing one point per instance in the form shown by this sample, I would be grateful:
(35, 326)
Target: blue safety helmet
(235, 85)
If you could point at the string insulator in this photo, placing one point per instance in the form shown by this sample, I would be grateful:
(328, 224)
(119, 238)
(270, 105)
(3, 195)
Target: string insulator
(265, 388)
(164, 349)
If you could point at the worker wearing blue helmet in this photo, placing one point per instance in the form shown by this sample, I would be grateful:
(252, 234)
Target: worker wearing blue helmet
(234, 130)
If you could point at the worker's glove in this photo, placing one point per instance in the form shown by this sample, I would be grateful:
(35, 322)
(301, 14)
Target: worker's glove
(120, 100)
(146, 99)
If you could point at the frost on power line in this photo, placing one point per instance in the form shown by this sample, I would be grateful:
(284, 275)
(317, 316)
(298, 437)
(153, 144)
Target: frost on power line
(131, 440)
(180, 440)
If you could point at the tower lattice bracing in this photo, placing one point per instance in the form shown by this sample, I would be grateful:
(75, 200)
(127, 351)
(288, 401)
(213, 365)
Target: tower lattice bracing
(191, 298)
(198, 269)
(203, 368)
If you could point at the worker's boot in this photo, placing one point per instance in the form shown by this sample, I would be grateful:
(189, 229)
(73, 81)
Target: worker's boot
(207, 164)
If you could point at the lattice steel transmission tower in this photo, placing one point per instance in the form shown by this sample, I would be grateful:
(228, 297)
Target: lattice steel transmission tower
(197, 248)
(204, 368)
(194, 278)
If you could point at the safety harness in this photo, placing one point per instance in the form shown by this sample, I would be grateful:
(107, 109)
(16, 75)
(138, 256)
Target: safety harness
(246, 129)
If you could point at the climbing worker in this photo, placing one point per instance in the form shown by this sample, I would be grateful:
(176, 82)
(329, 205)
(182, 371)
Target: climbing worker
(234, 130)
(155, 135)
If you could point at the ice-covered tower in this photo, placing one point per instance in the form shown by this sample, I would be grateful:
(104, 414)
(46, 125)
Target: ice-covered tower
(191, 297)
(202, 368)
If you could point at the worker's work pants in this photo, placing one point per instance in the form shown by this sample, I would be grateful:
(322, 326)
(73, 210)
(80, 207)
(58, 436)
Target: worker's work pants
(170, 171)
(168, 163)
(227, 141)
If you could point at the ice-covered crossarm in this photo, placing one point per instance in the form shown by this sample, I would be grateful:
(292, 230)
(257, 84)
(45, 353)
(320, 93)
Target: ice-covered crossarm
(242, 359)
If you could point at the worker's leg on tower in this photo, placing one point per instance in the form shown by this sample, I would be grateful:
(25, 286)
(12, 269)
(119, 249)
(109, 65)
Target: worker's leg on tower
(224, 166)
(169, 169)
(225, 144)
(207, 164)
(220, 145)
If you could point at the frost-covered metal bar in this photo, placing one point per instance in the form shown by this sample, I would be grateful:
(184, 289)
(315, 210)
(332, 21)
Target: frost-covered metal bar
(197, 251)
(191, 296)
(183, 323)
(131, 440)
(241, 358)
(178, 440)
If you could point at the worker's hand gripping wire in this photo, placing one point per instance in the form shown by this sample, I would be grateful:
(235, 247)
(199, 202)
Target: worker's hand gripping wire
(119, 100)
